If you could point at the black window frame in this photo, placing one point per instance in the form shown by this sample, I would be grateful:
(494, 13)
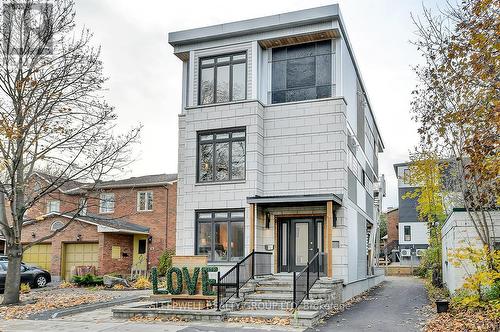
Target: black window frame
(217, 64)
(212, 221)
(407, 227)
(214, 141)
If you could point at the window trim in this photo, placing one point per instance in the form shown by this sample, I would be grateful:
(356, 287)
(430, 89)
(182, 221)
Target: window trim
(229, 63)
(49, 203)
(146, 192)
(230, 161)
(102, 200)
(213, 220)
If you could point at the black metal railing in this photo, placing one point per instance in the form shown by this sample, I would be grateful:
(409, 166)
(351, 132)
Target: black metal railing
(305, 279)
(229, 284)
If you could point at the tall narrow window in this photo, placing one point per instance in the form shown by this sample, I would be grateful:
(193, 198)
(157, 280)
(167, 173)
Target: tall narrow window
(145, 201)
(302, 72)
(221, 156)
(220, 234)
(223, 78)
(82, 206)
(107, 203)
(407, 231)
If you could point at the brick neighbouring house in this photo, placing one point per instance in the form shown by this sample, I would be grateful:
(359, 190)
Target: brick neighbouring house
(123, 226)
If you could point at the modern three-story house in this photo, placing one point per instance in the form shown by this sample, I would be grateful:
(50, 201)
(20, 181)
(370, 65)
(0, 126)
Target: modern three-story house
(278, 144)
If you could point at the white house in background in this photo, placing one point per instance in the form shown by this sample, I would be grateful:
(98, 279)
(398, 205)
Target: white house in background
(413, 233)
(278, 145)
(458, 231)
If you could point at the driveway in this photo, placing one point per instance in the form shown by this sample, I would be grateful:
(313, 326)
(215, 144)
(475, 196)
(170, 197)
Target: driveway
(395, 306)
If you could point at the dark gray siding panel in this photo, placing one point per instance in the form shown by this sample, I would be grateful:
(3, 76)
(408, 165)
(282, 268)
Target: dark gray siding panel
(362, 259)
(352, 186)
(407, 207)
(360, 114)
(369, 205)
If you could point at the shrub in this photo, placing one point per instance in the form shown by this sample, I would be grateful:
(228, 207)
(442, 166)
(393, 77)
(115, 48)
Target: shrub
(165, 262)
(493, 292)
(142, 283)
(118, 287)
(24, 289)
(87, 280)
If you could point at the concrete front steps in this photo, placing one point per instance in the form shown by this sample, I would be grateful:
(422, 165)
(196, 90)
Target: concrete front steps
(271, 297)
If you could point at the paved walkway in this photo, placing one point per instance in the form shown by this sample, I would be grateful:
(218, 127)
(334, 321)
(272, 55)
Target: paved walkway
(395, 306)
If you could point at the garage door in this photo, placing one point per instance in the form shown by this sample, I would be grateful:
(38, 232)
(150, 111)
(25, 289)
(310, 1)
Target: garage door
(79, 254)
(39, 255)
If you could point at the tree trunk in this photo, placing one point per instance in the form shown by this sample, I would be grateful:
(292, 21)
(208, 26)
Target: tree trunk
(13, 279)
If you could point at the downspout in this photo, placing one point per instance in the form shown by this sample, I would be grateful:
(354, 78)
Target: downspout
(166, 219)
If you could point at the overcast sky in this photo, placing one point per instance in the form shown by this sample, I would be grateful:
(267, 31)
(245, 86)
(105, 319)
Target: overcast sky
(145, 76)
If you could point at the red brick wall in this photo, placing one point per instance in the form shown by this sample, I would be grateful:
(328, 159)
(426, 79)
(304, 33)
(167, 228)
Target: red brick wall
(392, 226)
(122, 265)
(161, 221)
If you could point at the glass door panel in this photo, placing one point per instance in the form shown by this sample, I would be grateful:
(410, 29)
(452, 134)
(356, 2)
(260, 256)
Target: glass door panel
(301, 243)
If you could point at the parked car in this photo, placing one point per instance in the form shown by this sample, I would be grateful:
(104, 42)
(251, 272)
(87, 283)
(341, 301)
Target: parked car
(32, 275)
(3, 258)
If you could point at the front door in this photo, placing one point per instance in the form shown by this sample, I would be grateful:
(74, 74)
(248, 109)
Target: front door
(299, 239)
(139, 257)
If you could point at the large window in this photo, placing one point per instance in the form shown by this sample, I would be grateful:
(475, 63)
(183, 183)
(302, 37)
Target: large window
(302, 72)
(223, 78)
(221, 156)
(407, 231)
(220, 234)
(107, 203)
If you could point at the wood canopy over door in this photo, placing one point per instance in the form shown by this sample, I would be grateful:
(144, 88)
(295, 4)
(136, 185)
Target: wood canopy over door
(79, 254)
(299, 239)
(39, 255)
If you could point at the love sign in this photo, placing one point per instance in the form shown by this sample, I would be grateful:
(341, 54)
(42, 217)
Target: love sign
(179, 280)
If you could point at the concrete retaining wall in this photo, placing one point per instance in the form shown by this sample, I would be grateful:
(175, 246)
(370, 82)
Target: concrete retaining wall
(357, 287)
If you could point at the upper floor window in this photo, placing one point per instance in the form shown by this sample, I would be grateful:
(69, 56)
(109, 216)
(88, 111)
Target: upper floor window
(302, 72)
(221, 156)
(107, 203)
(82, 206)
(53, 206)
(407, 234)
(223, 78)
(145, 201)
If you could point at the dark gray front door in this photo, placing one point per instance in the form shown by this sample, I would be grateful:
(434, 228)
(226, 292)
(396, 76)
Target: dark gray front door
(298, 241)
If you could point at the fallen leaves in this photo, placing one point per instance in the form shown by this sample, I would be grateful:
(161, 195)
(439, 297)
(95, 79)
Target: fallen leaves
(44, 302)
(151, 319)
(253, 320)
(464, 320)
